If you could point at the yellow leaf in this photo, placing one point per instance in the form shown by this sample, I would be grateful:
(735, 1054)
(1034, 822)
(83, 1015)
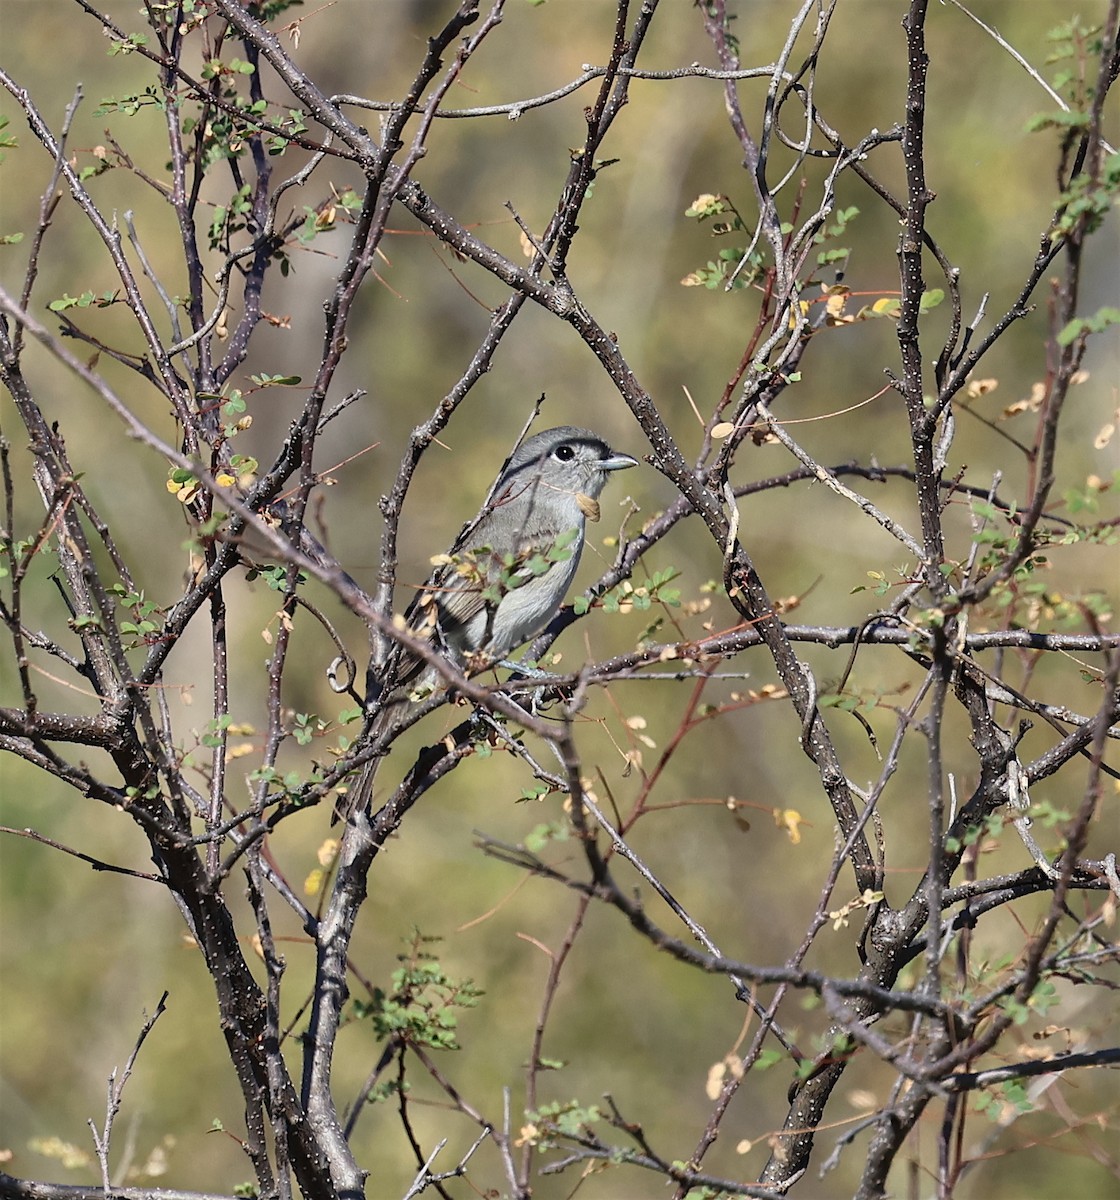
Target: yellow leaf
(790, 820)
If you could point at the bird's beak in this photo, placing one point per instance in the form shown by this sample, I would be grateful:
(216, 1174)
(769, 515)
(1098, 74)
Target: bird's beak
(617, 462)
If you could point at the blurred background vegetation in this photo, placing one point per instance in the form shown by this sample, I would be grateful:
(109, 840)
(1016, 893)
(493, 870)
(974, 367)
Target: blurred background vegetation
(83, 955)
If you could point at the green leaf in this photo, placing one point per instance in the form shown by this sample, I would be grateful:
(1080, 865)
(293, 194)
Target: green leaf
(931, 299)
(826, 257)
(1058, 118)
(68, 301)
(1083, 326)
(264, 381)
(128, 44)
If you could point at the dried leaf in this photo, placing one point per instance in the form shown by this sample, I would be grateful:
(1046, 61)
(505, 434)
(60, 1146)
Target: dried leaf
(980, 387)
(834, 305)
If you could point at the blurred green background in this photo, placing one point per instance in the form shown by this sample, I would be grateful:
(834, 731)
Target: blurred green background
(83, 955)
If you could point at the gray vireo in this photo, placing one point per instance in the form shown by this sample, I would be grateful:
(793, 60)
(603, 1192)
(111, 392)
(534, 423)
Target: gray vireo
(505, 577)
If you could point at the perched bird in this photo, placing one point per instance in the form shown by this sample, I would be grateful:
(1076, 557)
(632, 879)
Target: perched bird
(505, 577)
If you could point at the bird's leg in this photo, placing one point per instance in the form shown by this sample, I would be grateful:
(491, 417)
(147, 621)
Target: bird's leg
(523, 670)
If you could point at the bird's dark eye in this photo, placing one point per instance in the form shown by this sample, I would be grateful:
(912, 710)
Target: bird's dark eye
(565, 453)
